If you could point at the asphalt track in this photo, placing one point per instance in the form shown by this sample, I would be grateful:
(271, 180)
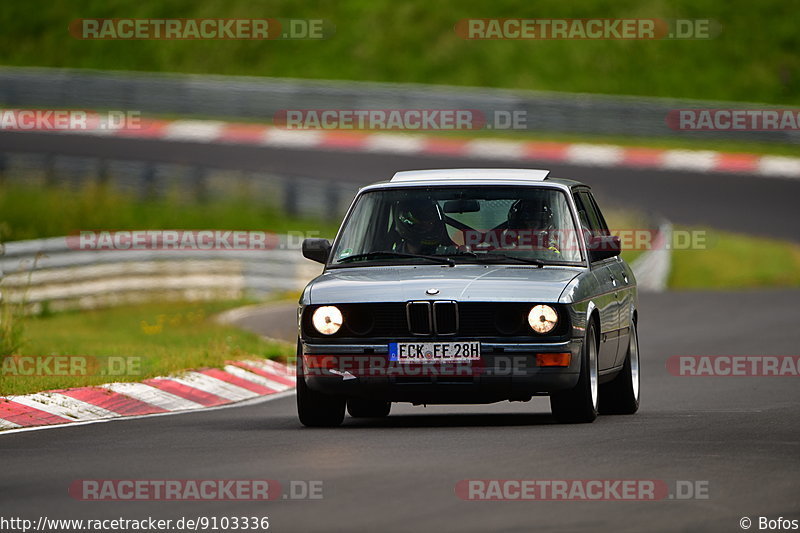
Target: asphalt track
(743, 203)
(740, 435)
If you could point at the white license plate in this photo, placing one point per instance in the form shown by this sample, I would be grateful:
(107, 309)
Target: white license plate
(434, 352)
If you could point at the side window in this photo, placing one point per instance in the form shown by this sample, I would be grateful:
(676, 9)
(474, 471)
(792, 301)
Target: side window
(583, 211)
(600, 218)
(589, 214)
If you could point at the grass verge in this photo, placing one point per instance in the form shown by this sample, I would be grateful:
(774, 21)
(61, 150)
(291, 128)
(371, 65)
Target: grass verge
(161, 339)
(706, 258)
(30, 212)
(734, 261)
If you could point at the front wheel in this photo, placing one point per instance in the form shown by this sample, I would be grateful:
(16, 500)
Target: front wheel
(621, 395)
(314, 408)
(579, 404)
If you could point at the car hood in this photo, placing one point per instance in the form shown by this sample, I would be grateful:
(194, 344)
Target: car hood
(501, 283)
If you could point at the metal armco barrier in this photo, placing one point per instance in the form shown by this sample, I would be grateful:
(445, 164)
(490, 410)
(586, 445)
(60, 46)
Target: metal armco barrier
(261, 98)
(48, 272)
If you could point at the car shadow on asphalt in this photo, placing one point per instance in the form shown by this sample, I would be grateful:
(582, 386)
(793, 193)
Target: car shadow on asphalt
(451, 420)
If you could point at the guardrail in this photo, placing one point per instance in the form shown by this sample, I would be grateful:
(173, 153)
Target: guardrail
(261, 98)
(48, 273)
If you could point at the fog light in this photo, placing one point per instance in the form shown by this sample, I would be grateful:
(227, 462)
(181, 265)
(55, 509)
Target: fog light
(553, 359)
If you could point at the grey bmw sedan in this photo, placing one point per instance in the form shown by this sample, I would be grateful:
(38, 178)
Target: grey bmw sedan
(468, 286)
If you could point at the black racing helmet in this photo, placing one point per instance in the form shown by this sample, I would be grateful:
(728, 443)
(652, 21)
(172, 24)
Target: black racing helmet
(530, 213)
(420, 221)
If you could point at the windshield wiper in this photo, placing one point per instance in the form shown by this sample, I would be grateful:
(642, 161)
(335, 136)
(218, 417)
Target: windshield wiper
(369, 255)
(529, 260)
(489, 256)
(461, 254)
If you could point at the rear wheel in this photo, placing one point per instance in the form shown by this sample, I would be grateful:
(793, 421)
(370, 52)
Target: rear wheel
(363, 408)
(579, 404)
(621, 395)
(316, 409)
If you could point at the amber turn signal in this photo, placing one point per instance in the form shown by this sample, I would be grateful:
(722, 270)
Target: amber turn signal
(553, 359)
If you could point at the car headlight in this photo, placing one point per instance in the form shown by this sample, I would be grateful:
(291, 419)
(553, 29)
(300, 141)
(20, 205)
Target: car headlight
(542, 318)
(327, 319)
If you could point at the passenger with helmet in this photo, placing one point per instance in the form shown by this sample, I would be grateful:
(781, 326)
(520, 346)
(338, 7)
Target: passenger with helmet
(531, 225)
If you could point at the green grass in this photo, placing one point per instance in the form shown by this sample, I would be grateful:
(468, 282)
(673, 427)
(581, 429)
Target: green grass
(734, 261)
(28, 212)
(163, 337)
(12, 327)
(753, 59)
(718, 260)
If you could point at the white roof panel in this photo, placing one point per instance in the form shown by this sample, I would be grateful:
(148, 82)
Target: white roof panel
(505, 174)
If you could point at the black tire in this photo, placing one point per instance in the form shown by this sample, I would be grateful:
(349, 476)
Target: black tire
(363, 408)
(316, 409)
(579, 404)
(621, 395)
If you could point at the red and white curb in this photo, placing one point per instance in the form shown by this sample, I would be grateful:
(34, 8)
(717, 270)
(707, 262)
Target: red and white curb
(238, 381)
(211, 131)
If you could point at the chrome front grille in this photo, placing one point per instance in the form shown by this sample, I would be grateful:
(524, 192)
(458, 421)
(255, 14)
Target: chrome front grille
(445, 318)
(420, 318)
(428, 318)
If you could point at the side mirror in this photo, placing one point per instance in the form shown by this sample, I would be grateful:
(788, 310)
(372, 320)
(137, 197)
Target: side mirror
(603, 247)
(317, 250)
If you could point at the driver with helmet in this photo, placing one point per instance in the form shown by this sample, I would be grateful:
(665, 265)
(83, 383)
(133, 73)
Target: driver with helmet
(421, 227)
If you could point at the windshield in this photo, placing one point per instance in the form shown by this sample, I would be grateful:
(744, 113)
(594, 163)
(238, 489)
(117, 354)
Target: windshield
(467, 224)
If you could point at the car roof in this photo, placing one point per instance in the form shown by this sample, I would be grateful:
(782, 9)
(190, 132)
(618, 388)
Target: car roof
(526, 174)
(474, 176)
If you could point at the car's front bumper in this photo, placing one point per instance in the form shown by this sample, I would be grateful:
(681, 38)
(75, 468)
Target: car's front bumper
(506, 371)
